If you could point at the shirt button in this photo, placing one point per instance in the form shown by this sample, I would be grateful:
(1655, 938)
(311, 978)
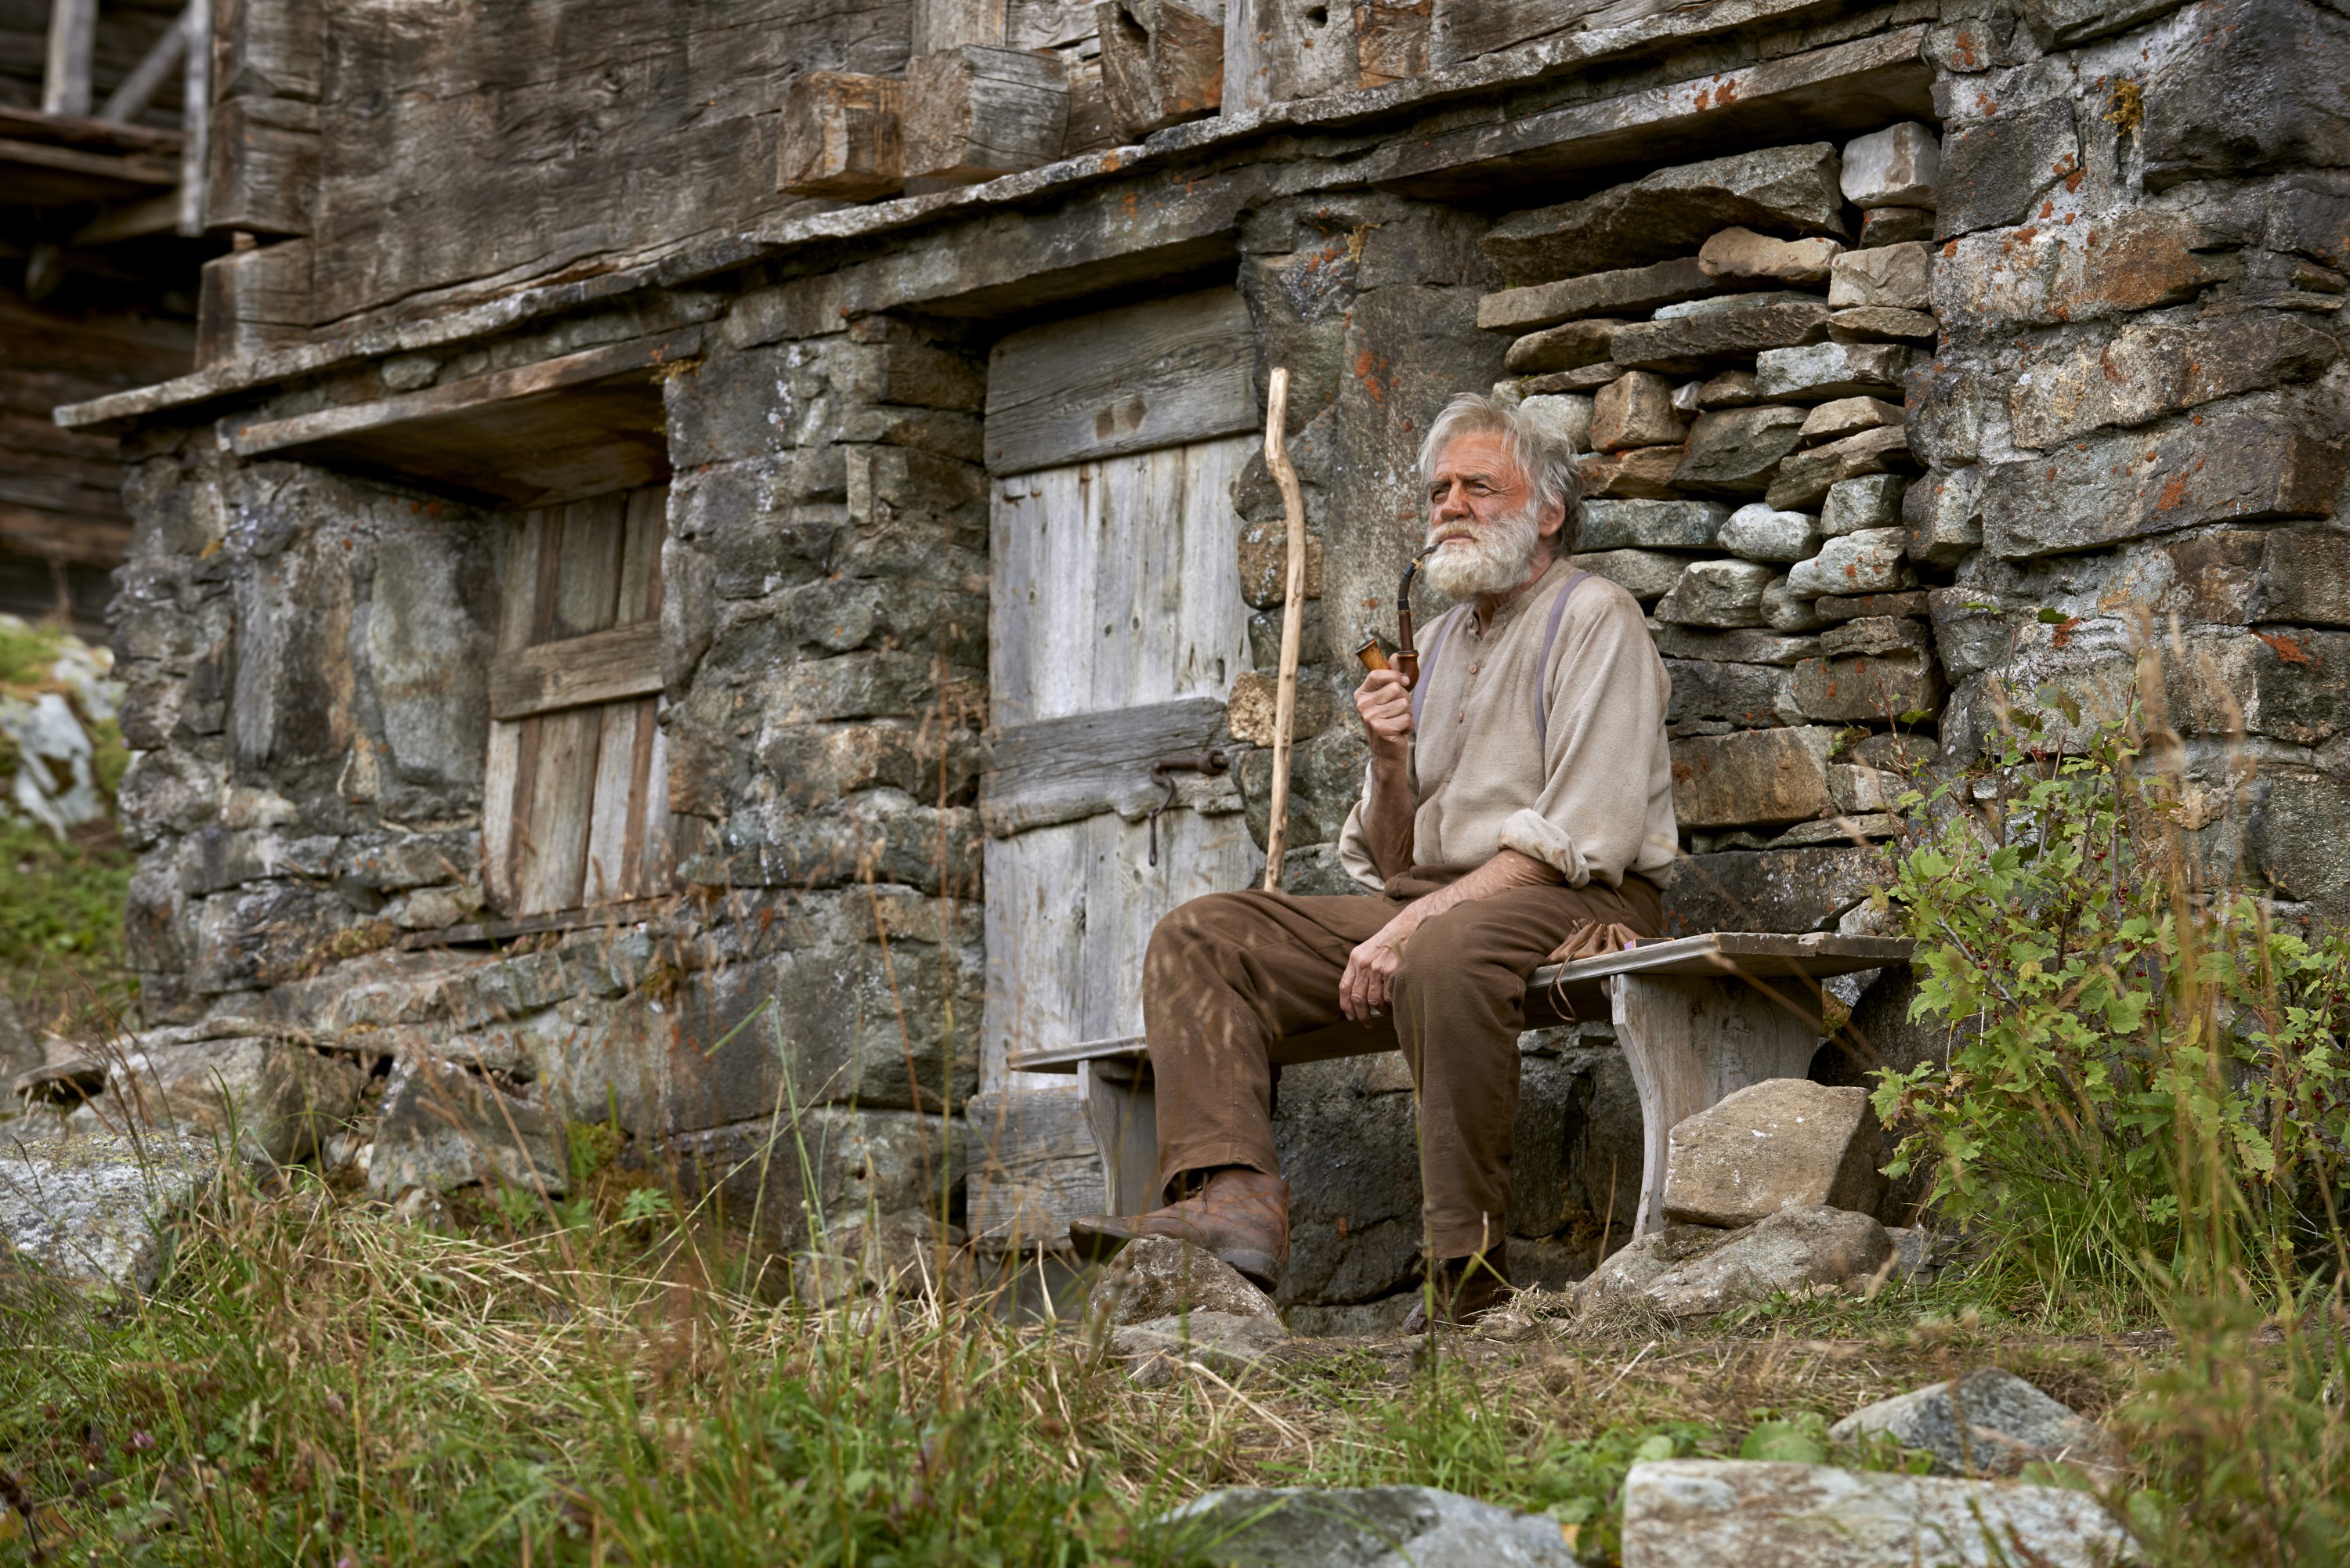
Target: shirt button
(1474, 668)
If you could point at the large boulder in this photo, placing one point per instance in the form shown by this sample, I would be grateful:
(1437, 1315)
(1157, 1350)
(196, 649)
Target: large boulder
(442, 1128)
(1780, 1144)
(1734, 1513)
(279, 1100)
(1229, 1344)
(99, 1211)
(1367, 1527)
(1987, 1422)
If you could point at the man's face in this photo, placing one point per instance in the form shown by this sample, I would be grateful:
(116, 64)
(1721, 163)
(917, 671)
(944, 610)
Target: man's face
(1481, 515)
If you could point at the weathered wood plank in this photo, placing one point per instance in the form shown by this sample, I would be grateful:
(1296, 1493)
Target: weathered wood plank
(264, 165)
(585, 598)
(1125, 381)
(130, 99)
(1034, 933)
(1825, 93)
(1758, 955)
(1034, 1167)
(268, 49)
(609, 874)
(473, 391)
(73, 34)
(842, 137)
(1391, 41)
(602, 667)
(1063, 770)
(1464, 29)
(973, 113)
(250, 301)
(1162, 62)
(503, 793)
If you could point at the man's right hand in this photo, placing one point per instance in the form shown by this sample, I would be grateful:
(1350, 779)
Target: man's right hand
(1385, 704)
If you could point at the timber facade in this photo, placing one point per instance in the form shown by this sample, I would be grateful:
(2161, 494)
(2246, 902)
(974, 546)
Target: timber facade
(693, 522)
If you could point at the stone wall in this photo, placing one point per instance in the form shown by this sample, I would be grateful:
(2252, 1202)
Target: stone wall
(1887, 423)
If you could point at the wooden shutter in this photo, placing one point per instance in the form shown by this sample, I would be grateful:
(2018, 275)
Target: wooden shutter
(576, 811)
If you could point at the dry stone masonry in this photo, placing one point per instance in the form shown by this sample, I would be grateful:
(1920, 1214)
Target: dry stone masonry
(571, 641)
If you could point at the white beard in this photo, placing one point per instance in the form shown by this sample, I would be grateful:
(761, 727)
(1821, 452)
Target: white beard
(1493, 560)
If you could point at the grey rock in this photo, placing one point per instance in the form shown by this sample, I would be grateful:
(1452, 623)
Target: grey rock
(1717, 593)
(1160, 1277)
(1229, 1344)
(1783, 611)
(1634, 409)
(1743, 253)
(1564, 417)
(2249, 460)
(1900, 277)
(99, 1211)
(892, 1255)
(1878, 689)
(1883, 323)
(1769, 889)
(1872, 501)
(2061, 24)
(279, 1100)
(1943, 514)
(1876, 634)
(1844, 417)
(1858, 791)
(1589, 379)
(1629, 291)
(2136, 260)
(1626, 1272)
(1726, 389)
(2262, 91)
(1732, 1513)
(1736, 451)
(1570, 346)
(1737, 647)
(443, 1128)
(1369, 1527)
(1895, 226)
(1779, 1144)
(1895, 167)
(1751, 776)
(1686, 344)
(1817, 372)
(1995, 171)
(1869, 560)
(2304, 577)
(1839, 607)
(1989, 1422)
(1708, 694)
(1756, 532)
(1798, 1249)
(1689, 309)
(2147, 371)
(1650, 525)
(1644, 574)
(1672, 212)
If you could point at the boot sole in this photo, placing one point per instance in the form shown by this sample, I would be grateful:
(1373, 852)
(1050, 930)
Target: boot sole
(1260, 1269)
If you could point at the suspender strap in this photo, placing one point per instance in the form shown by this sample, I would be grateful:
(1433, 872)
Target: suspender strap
(1428, 660)
(1549, 636)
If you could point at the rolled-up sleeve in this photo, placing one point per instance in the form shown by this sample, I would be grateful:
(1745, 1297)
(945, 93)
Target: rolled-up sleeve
(1607, 772)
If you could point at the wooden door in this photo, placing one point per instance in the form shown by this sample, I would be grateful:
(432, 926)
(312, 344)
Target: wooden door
(576, 807)
(1116, 628)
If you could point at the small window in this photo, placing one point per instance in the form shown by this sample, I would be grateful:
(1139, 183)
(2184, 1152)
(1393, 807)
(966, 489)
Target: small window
(576, 808)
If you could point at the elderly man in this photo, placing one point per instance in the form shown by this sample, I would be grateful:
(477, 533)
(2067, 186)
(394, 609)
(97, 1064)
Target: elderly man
(1519, 803)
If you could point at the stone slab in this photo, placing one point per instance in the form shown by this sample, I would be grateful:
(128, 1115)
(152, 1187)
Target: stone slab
(1368, 1527)
(1779, 1144)
(98, 1210)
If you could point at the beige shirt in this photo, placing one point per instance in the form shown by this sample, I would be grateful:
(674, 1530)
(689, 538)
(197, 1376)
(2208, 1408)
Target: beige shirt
(1594, 796)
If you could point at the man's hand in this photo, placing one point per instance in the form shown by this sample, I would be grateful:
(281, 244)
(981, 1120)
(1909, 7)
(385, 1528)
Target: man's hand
(1368, 984)
(1385, 704)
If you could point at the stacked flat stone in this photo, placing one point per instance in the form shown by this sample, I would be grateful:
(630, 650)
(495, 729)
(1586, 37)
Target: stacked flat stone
(1740, 405)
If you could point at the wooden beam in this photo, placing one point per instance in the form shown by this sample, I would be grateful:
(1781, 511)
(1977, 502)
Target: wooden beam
(842, 137)
(496, 385)
(1160, 374)
(601, 667)
(155, 215)
(140, 86)
(248, 301)
(1162, 62)
(131, 169)
(1391, 41)
(64, 78)
(975, 113)
(1757, 955)
(264, 166)
(1064, 770)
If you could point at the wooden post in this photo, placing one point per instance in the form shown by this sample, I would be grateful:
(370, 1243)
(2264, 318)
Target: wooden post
(1293, 620)
(196, 117)
(841, 136)
(65, 79)
(148, 73)
(973, 113)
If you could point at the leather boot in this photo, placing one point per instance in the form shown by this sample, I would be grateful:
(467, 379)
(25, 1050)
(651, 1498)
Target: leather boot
(1466, 1288)
(1240, 1215)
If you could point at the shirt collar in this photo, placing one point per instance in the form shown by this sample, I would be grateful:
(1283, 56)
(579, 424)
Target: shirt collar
(1518, 604)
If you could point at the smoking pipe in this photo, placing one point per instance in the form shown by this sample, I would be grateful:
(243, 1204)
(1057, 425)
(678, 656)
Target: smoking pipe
(1405, 658)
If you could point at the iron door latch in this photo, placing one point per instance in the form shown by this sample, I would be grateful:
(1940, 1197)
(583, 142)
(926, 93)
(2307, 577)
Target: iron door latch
(1210, 762)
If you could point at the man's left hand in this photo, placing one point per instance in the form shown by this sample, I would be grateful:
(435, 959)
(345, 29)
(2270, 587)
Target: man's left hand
(1368, 984)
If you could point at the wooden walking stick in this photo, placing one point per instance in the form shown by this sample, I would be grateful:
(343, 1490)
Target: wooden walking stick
(1293, 620)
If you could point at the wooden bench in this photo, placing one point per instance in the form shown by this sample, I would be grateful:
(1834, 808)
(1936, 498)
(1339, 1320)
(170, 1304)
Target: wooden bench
(1697, 1017)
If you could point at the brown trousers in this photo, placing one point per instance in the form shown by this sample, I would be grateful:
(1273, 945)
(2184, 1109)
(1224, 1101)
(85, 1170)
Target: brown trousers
(1231, 976)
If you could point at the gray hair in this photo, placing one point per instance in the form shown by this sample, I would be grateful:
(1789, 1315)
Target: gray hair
(1546, 461)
